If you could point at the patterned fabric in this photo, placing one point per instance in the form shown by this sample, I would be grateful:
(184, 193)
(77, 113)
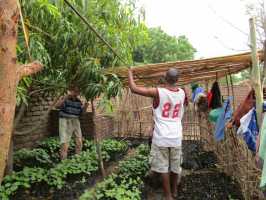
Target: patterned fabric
(249, 129)
(71, 108)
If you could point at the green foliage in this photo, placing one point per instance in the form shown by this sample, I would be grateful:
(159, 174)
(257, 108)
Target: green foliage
(111, 189)
(67, 48)
(127, 183)
(52, 146)
(56, 176)
(113, 146)
(83, 164)
(162, 47)
(23, 179)
(32, 158)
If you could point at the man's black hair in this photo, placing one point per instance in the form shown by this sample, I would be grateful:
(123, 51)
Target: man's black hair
(171, 76)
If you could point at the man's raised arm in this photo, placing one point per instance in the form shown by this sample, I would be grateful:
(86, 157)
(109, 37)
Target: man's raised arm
(147, 92)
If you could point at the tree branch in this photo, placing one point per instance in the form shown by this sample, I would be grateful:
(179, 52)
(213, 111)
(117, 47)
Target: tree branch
(29, 69)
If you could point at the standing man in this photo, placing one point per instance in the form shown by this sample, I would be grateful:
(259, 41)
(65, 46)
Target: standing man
(71, 109)
(168, 109)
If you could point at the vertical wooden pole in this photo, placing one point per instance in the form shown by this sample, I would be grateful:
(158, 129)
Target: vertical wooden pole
(264, 64)
(96, 139)
(255, 76)
(227, 85)
(232, 88)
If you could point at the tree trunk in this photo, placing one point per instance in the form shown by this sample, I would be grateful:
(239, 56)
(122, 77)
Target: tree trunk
(10, 74)
(96, 139)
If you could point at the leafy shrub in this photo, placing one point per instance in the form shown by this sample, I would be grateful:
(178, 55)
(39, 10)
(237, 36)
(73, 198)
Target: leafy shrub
(52, 146)
(22, 179)
(31, 158)
(86, 163)
(114, 147)
(111, 189)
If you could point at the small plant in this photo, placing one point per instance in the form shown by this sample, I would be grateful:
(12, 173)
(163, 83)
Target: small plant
(127, 183)
(85, 163)
(32, 158)
(77, 166)
(111, 188)
(22, 179)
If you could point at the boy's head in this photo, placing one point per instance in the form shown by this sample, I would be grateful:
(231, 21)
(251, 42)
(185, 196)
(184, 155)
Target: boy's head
(74, 91)
(171, 76)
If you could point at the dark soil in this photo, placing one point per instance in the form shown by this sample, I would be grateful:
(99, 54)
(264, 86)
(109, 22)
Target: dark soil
(195, 158)
(209, 185)
(201, 180)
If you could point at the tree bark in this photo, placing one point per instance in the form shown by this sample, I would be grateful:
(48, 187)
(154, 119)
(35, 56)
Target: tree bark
(10, 74)
(96, 139)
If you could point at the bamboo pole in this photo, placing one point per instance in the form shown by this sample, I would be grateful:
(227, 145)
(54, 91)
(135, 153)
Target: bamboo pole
(232, 88)
(227, 85)
(255, 76)
(264, 65)
(96, 139)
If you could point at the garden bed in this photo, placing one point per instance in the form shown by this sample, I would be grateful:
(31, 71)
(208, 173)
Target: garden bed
(41, 175)
(201, 178)
(78, 177)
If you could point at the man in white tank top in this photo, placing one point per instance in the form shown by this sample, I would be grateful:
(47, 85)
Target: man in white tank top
(168, 109)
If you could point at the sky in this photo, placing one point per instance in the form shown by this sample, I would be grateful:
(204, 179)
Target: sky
(214, 27)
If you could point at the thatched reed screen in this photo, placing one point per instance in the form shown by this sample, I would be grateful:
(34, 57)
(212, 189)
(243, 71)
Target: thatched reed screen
(235, 159)
(133, 118)
(191, 70)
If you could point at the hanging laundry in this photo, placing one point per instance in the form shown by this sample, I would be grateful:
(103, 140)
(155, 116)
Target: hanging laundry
(216, 97)
(249, 129)
(262, 153)
(196, 92)
(209, 97)
(224, 117)
(244, 107)
(186, 97)
(214, 114)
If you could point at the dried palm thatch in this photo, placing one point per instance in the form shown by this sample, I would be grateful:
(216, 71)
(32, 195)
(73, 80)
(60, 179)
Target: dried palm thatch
(190, 71)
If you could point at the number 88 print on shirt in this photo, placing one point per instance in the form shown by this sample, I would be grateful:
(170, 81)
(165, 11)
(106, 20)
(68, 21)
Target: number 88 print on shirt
(167, 116)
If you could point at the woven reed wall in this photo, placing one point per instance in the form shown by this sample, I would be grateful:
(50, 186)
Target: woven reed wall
(234, 159)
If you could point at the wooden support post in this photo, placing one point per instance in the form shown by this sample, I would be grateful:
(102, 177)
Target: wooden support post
(255, 75)
(96, 139)
(264, 64)
(227, 85)
(232, 88)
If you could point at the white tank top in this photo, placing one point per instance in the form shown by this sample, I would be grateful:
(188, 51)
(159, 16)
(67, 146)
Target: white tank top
(167, 118)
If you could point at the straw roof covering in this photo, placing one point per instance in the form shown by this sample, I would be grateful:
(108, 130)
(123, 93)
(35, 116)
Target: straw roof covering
(190, 71)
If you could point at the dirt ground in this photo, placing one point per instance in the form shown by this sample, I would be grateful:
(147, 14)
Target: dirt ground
(201, 179)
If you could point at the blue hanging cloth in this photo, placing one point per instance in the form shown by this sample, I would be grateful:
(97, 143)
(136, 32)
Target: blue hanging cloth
(223, 118)
(249, 129)
(196, 92)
